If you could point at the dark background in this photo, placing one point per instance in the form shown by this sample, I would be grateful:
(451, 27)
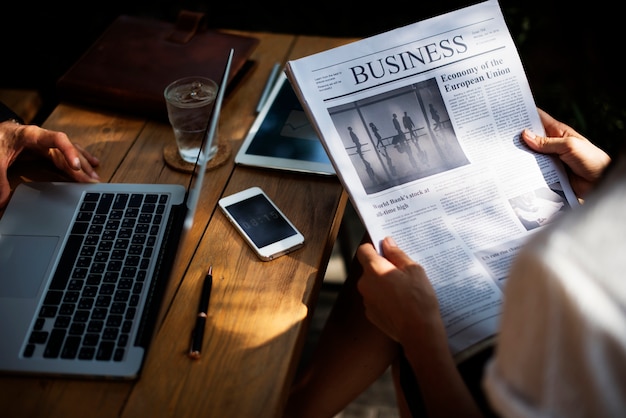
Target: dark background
(570, 51)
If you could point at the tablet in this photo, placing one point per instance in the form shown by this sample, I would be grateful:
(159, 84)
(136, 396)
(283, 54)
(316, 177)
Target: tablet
(282, 138)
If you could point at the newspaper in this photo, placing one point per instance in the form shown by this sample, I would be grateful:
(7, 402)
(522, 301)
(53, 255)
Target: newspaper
(422, 125)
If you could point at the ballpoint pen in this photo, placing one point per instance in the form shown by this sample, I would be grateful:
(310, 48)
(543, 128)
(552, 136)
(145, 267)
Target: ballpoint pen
(198, 331)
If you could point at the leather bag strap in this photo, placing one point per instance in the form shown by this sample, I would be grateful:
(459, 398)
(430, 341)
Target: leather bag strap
(187, 25)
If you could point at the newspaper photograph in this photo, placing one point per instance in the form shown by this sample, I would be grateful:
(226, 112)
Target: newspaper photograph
(423, 127)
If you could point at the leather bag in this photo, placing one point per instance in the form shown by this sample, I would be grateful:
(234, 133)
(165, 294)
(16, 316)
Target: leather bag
(133, 61)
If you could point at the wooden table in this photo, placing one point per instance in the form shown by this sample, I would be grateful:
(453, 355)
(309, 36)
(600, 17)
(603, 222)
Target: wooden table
(259, 310)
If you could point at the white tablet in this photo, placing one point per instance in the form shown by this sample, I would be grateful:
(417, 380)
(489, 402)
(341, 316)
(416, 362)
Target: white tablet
(282, 138)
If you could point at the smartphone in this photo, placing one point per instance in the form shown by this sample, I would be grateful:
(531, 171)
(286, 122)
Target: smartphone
(264, 227)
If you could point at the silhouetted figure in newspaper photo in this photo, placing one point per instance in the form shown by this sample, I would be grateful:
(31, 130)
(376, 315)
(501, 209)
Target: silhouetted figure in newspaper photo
(399, 140)
(396, 124)
(355, 139)
(409, 125)
(435, 115)
(379, 139)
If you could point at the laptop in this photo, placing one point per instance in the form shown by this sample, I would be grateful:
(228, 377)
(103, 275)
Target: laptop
(83, 268)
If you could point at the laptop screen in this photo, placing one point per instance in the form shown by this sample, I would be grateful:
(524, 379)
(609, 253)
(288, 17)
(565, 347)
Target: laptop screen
(201, 161)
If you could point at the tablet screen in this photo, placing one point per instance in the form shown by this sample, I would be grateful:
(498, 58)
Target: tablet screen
(282, 138)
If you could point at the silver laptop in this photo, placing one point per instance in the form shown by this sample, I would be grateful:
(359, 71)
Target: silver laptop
(83, 268)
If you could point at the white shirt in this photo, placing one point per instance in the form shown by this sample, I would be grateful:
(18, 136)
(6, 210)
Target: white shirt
(561, 350)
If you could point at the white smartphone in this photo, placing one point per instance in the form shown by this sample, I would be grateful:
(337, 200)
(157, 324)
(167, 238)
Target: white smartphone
(264, 227)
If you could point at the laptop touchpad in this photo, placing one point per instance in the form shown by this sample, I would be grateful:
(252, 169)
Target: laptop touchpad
(23, 262)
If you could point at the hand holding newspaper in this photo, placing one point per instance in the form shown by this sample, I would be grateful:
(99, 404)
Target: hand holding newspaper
(422, 125)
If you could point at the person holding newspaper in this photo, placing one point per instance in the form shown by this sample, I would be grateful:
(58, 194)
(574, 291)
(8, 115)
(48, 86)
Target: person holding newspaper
(388, 314)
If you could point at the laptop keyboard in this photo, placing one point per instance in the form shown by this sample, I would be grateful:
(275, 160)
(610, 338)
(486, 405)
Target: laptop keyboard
(90, 306)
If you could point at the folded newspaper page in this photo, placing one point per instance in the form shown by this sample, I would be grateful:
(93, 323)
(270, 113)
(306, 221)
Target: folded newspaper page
(422, 125)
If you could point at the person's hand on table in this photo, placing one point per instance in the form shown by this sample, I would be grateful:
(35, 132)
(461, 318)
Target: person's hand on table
(70, 158)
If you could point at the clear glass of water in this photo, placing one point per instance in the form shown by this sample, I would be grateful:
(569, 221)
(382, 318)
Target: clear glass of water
(189, 103)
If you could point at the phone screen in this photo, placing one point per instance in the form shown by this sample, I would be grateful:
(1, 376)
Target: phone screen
(260, 220)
